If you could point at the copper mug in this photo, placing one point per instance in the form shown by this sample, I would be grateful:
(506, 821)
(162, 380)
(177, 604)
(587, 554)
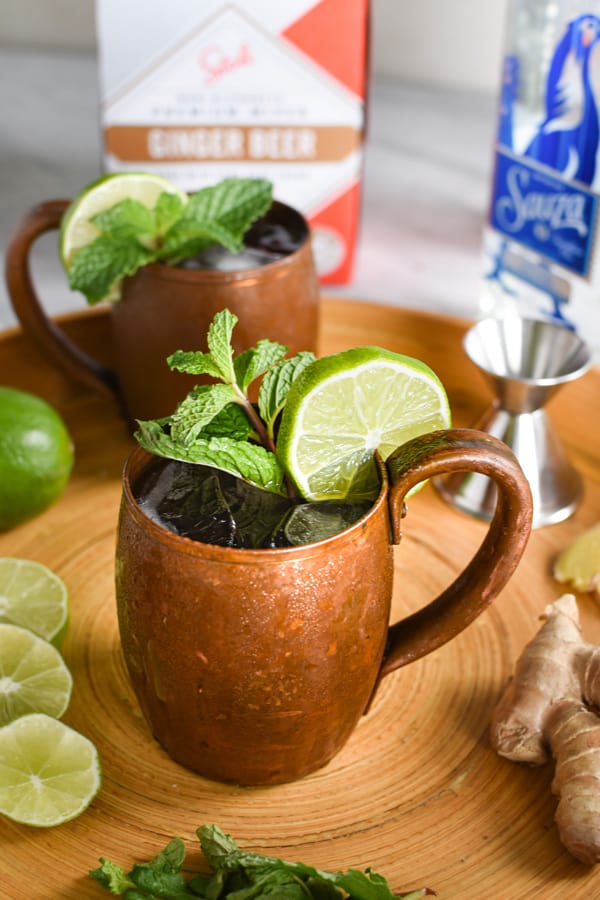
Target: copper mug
(165, 308)
(254, 666)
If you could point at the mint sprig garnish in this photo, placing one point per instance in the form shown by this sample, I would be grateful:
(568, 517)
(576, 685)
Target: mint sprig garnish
(216, 424)
(220, 214)
(132, 235)
(240, 874)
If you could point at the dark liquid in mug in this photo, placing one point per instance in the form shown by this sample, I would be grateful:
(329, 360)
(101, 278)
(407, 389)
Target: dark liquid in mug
(265, 242)
(214, 507)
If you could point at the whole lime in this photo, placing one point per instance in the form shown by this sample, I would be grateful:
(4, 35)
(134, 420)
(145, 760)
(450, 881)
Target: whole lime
(36, 456)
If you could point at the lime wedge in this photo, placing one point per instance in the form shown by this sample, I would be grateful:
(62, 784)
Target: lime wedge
(49, 773)
(344, 407)
(33, 676)
(32, 596)
(76, 228)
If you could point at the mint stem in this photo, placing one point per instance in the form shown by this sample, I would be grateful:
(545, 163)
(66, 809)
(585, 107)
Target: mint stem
(255, 421)
(265, 438)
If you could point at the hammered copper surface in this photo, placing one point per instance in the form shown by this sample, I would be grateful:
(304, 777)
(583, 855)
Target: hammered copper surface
(254, 666)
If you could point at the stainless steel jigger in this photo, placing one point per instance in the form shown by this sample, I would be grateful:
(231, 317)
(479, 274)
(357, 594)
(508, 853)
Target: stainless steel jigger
(525, 362)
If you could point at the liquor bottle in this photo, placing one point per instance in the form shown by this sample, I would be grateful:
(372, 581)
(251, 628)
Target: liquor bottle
(542, 238)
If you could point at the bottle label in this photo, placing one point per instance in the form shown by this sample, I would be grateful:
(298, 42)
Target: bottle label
(540, 247)
(536, 208)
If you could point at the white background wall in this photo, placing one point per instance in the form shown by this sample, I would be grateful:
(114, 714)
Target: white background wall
(453, 43)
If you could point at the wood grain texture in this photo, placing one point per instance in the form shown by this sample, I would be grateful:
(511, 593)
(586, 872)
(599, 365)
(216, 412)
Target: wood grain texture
(417, 793)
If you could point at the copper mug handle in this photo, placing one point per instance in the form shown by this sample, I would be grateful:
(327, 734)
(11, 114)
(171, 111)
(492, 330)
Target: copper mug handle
(27, 306)
(484, 577)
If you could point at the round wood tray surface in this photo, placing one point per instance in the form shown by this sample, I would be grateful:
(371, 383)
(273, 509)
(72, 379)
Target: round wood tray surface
(417, 793)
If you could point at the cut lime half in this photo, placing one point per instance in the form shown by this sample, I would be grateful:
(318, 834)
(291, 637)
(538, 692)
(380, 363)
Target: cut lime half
(49, 773)
(344, 407)
(34, 597)
(33, 676)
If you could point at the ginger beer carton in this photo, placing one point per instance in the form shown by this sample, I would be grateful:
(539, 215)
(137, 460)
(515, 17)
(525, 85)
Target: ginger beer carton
(273, 89)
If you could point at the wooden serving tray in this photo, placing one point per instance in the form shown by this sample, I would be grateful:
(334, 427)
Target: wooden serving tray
(417, 793)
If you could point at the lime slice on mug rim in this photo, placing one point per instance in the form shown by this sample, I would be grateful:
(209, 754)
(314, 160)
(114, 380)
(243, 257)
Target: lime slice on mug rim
(344, 407)
(77, 229)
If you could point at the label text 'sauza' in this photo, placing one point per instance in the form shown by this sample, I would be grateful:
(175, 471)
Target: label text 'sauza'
(560, 209)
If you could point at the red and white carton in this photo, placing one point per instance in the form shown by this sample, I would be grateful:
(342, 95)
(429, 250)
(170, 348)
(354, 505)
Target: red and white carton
(273, 89)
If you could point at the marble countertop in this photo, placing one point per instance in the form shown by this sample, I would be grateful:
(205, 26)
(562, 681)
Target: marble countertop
(427, 166)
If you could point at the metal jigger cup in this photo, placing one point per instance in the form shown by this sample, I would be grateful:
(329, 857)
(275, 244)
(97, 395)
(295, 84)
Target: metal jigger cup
(525, 362)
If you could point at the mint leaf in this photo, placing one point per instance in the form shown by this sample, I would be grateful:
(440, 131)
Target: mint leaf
(276, 384)
(216, 845)
(241, 458)
(199, 408)
(169, 207)
(128, 220)
(159, 878)
(112, 877)
(252, 363)
(219, 343)
(231, 422)
(220, 214)
(98, 266)
(185, 239)
(359, 885)
(234, 203)
(154, 884)
(131, 220)
(193, 362)
(218, 362)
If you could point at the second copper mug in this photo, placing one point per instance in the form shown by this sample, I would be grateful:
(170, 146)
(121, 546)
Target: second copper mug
(166, 308)
(254, 666)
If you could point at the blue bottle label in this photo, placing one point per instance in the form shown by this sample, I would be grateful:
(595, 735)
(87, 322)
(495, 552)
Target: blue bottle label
(554, 217)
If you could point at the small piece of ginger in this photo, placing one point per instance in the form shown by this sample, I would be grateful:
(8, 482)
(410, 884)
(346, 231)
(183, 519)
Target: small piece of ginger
(579, 563)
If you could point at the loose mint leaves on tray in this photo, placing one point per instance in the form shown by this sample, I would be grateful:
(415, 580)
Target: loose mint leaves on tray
(238, 874)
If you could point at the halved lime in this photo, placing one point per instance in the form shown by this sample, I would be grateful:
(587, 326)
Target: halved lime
(33, 676)
(344, 407)
(34, 597)
(49, 773)
(76, 228)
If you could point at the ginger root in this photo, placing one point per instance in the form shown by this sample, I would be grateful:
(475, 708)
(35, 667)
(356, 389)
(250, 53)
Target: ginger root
(547, 710)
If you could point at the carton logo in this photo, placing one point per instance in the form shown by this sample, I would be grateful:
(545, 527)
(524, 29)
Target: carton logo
(214, 61)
